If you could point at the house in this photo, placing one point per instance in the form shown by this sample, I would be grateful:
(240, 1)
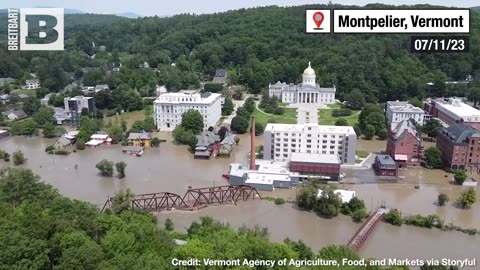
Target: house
(227, 144)
(161, 89)
(62, 143)
(23, 97)
(15, 114)
(460, 147)
(3, 133)
(384, 165)
(144, 65)
(71, 136)
(143, 139)
(404, 144)
(345, 195)
(4, 81)
(46, 98)
(220, 76)
(32, 84)
(71, 87)
(101, 87)
(205, 144)
(99, 139)
(61, 116)
(5, 98)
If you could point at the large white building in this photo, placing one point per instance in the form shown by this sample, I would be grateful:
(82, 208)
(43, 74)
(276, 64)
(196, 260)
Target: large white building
(306, 92)
(397, 111)
(169, 108)
(281, 140)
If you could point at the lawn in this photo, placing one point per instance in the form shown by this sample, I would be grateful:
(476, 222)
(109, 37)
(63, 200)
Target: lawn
(335, 106)
(325, 117)
(289, 117)
(30, 92)
(362, 153)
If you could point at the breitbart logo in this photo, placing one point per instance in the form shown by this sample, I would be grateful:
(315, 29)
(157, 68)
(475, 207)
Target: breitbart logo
(35, 29)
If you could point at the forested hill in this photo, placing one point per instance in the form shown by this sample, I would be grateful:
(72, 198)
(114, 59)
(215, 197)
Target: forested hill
(264, 45)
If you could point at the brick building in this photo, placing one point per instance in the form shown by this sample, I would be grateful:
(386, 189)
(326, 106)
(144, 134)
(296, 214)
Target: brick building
(404, 145)
(460, 147)
(384, 165)
(453, 111)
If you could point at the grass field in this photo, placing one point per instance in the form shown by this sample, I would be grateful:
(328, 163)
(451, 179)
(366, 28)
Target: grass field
(326, 118)
(30, 92)
(289, 117)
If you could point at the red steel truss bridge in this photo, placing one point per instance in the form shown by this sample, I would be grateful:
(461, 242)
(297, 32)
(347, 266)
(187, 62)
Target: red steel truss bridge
(366, 230)
(193, 199)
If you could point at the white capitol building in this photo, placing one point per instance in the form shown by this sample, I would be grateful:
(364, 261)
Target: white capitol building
(306, 92)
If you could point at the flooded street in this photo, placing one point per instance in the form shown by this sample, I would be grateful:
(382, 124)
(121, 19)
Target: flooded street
(172, 168)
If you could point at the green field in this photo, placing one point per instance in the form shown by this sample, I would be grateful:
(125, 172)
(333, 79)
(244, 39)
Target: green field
(289, 117)
(325, 117)
(30, 92)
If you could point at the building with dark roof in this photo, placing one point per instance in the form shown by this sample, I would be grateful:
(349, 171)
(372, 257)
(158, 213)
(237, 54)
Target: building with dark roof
(221, 76)
(384, 165)
(404, 145)
(460, 147)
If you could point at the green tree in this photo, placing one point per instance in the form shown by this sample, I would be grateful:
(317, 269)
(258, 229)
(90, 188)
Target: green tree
(442, 199)
(31, 105)
(239, 125)
(415, 101)
(155, 142)
(49, 131)
(228, 107)
(433, 157)
(258, 129)
(169, 226)
(115, 132)
(80, 144)
(382, 134)
(249, 105)
(43, 116)
(25, 127)
(369, 132)
(88, 127)
(122, 201)
(192, 120)
(18, 158)
(359, 214)
(459, 176)
(341, 122)
(184, 136)
(105, 167)
(432, 128)
(121, 166)
(355, 100)
(394, 217)
(467, 198)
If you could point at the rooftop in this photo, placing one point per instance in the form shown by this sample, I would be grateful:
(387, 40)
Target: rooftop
(265, 179)
(314, 158)
(459, 133)
(458, 107)
(309, 127)
(139, 136)
(403, 106)
(188, 96)
(386, 160)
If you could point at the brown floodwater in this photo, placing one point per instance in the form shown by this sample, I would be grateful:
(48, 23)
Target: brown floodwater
(172, 168)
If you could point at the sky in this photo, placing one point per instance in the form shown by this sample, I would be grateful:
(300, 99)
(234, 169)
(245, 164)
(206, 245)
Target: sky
(169, 8)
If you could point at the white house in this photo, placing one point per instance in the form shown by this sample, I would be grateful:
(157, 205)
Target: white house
(306, 92)
(169, 107)
(32, 84)
(281, 140)
(397, 111)
(15, 114)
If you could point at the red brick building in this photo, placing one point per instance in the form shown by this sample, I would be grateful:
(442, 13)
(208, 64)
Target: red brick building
(460, 147)
(323, 165)
(404, 145)
(384, 165)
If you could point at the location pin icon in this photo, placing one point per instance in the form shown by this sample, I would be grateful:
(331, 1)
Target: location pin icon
(318, 18)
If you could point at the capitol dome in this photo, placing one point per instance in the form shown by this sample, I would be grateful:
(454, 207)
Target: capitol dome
(309, 70)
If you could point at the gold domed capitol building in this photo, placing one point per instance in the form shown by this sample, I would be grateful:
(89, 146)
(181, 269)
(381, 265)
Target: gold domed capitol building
(306, 92)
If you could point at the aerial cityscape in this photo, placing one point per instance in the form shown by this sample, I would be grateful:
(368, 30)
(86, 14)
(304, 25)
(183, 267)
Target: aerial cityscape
(237, 140)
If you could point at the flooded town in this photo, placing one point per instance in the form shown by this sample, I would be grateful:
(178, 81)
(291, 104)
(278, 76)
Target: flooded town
(195, 138)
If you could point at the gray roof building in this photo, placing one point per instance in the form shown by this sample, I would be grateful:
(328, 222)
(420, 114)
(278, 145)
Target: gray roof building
(221, 76)
(459, 133)
(17, 113)
(139, 136)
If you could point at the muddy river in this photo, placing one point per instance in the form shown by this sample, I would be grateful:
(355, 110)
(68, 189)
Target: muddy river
(172, 168)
